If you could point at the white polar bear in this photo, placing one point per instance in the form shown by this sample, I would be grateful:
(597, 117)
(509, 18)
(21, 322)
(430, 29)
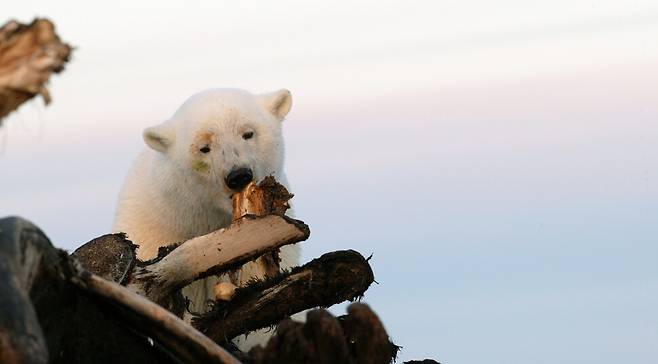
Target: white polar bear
(180, 187)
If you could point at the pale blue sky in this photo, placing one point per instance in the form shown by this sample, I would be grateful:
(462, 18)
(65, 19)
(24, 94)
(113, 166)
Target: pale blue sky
(499, 159)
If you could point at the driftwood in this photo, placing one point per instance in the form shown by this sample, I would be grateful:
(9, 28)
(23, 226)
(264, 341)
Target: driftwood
(29, 54)
(332, 278)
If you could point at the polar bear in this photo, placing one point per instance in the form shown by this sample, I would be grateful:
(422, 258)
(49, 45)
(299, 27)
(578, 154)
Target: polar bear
(180, 187)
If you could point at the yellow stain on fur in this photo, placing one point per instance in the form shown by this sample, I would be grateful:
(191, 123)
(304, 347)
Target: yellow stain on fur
(201, 166)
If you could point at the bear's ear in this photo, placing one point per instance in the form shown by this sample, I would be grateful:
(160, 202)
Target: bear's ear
(159, 138)
(278, 103)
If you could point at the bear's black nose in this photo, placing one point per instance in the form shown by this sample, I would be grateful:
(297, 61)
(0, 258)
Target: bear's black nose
(238, 178)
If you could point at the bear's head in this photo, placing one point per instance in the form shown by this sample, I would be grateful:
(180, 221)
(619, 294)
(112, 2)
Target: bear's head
(219, 140)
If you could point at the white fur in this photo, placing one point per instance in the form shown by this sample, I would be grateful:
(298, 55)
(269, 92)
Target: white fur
(175, 192)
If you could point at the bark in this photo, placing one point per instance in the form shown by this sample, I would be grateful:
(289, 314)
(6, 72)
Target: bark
(332, 278)
(29, 55)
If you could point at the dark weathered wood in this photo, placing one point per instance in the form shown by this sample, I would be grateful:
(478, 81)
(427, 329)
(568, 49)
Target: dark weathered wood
(367, 338)
(325, 339)
(318, 340)
(29, 54)
(332, 278)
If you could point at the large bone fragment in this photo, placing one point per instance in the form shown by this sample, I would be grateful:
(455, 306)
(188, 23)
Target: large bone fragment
(215, 253)
(265, 198)
(188, 344)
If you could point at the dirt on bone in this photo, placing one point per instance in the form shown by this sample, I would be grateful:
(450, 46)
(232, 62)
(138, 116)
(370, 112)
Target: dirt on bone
(215, 253)
(265, 198)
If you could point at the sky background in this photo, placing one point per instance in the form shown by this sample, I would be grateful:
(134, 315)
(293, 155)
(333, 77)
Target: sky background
(498, 159)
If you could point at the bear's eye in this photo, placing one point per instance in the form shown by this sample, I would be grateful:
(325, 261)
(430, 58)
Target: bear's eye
(205, 149)
(248, 135)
